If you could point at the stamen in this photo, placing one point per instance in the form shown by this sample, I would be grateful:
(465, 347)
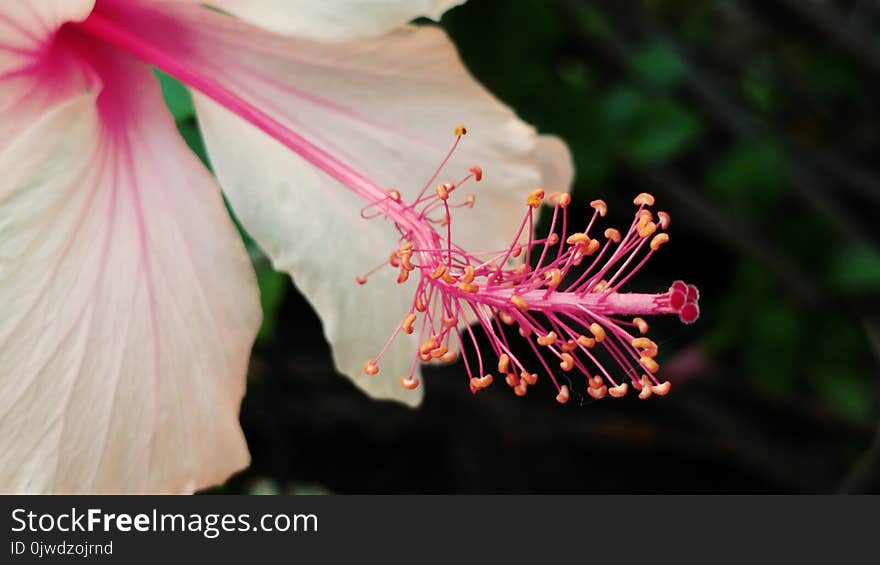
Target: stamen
(579, 317)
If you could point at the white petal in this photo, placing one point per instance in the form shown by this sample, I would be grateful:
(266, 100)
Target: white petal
(130, 308)
(388, 106)
(312, 229)
(334, 19)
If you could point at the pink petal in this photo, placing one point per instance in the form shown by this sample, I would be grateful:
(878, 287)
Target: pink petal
(388, 107)
(31, 80)
(130, 306)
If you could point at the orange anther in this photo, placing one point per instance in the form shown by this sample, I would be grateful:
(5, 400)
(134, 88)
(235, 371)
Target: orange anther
(477, 171)
(407, 325)
(460, 130)
(520, 303)
(394, 259)
(427, 346)
(644, 216)
(512, 380)
(506, 317)
(449, 322)
(403, 276)
(442, 192)
(646, 387)
(569, 346)
(659, 240)
(420, 304)
(599, 206)
(548, 339)
(592, 247)
(598, 392)
(597, 331)
(647, 229)
(439, 352)
(521, 388)
(409, 383)
(553, 239)
(503, 363)
(563, 395)
(516, 251)
(599, 286)
(585, 341)
(613, 235)
(468, 287)
(619, 391)
(553, 278)
(649, 364)
(643, 343)
(567, 363)
(360, 280)
(595, 381)
(448, 278)
(664, 220)
(564, 199)
(406, 246)
(535, 197)
(525, 332)
(393, 194)
(529, 378)
(480, 383)
(577, 238)
(642, 325)
(438, 272)
(450, 357)
(370, 367)
(644, 199)
(662, 389)
(468, 275)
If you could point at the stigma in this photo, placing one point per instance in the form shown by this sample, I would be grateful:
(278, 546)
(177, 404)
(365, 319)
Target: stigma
(561, 294)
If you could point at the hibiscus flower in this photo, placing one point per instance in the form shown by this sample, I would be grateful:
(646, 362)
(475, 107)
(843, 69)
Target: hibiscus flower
(130, 305)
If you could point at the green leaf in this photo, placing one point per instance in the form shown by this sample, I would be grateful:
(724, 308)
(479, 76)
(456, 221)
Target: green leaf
(845, 391)
(760, 92)
(833, 77)
(576, 74)
(191, 133)
(657, 64)
(856, 268)
(272, 287)
(662, 130)
(772, 359)
(177, 97)
(749, 173)
(647, 130)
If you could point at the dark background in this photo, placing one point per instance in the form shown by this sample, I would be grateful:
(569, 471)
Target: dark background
(754, 122)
